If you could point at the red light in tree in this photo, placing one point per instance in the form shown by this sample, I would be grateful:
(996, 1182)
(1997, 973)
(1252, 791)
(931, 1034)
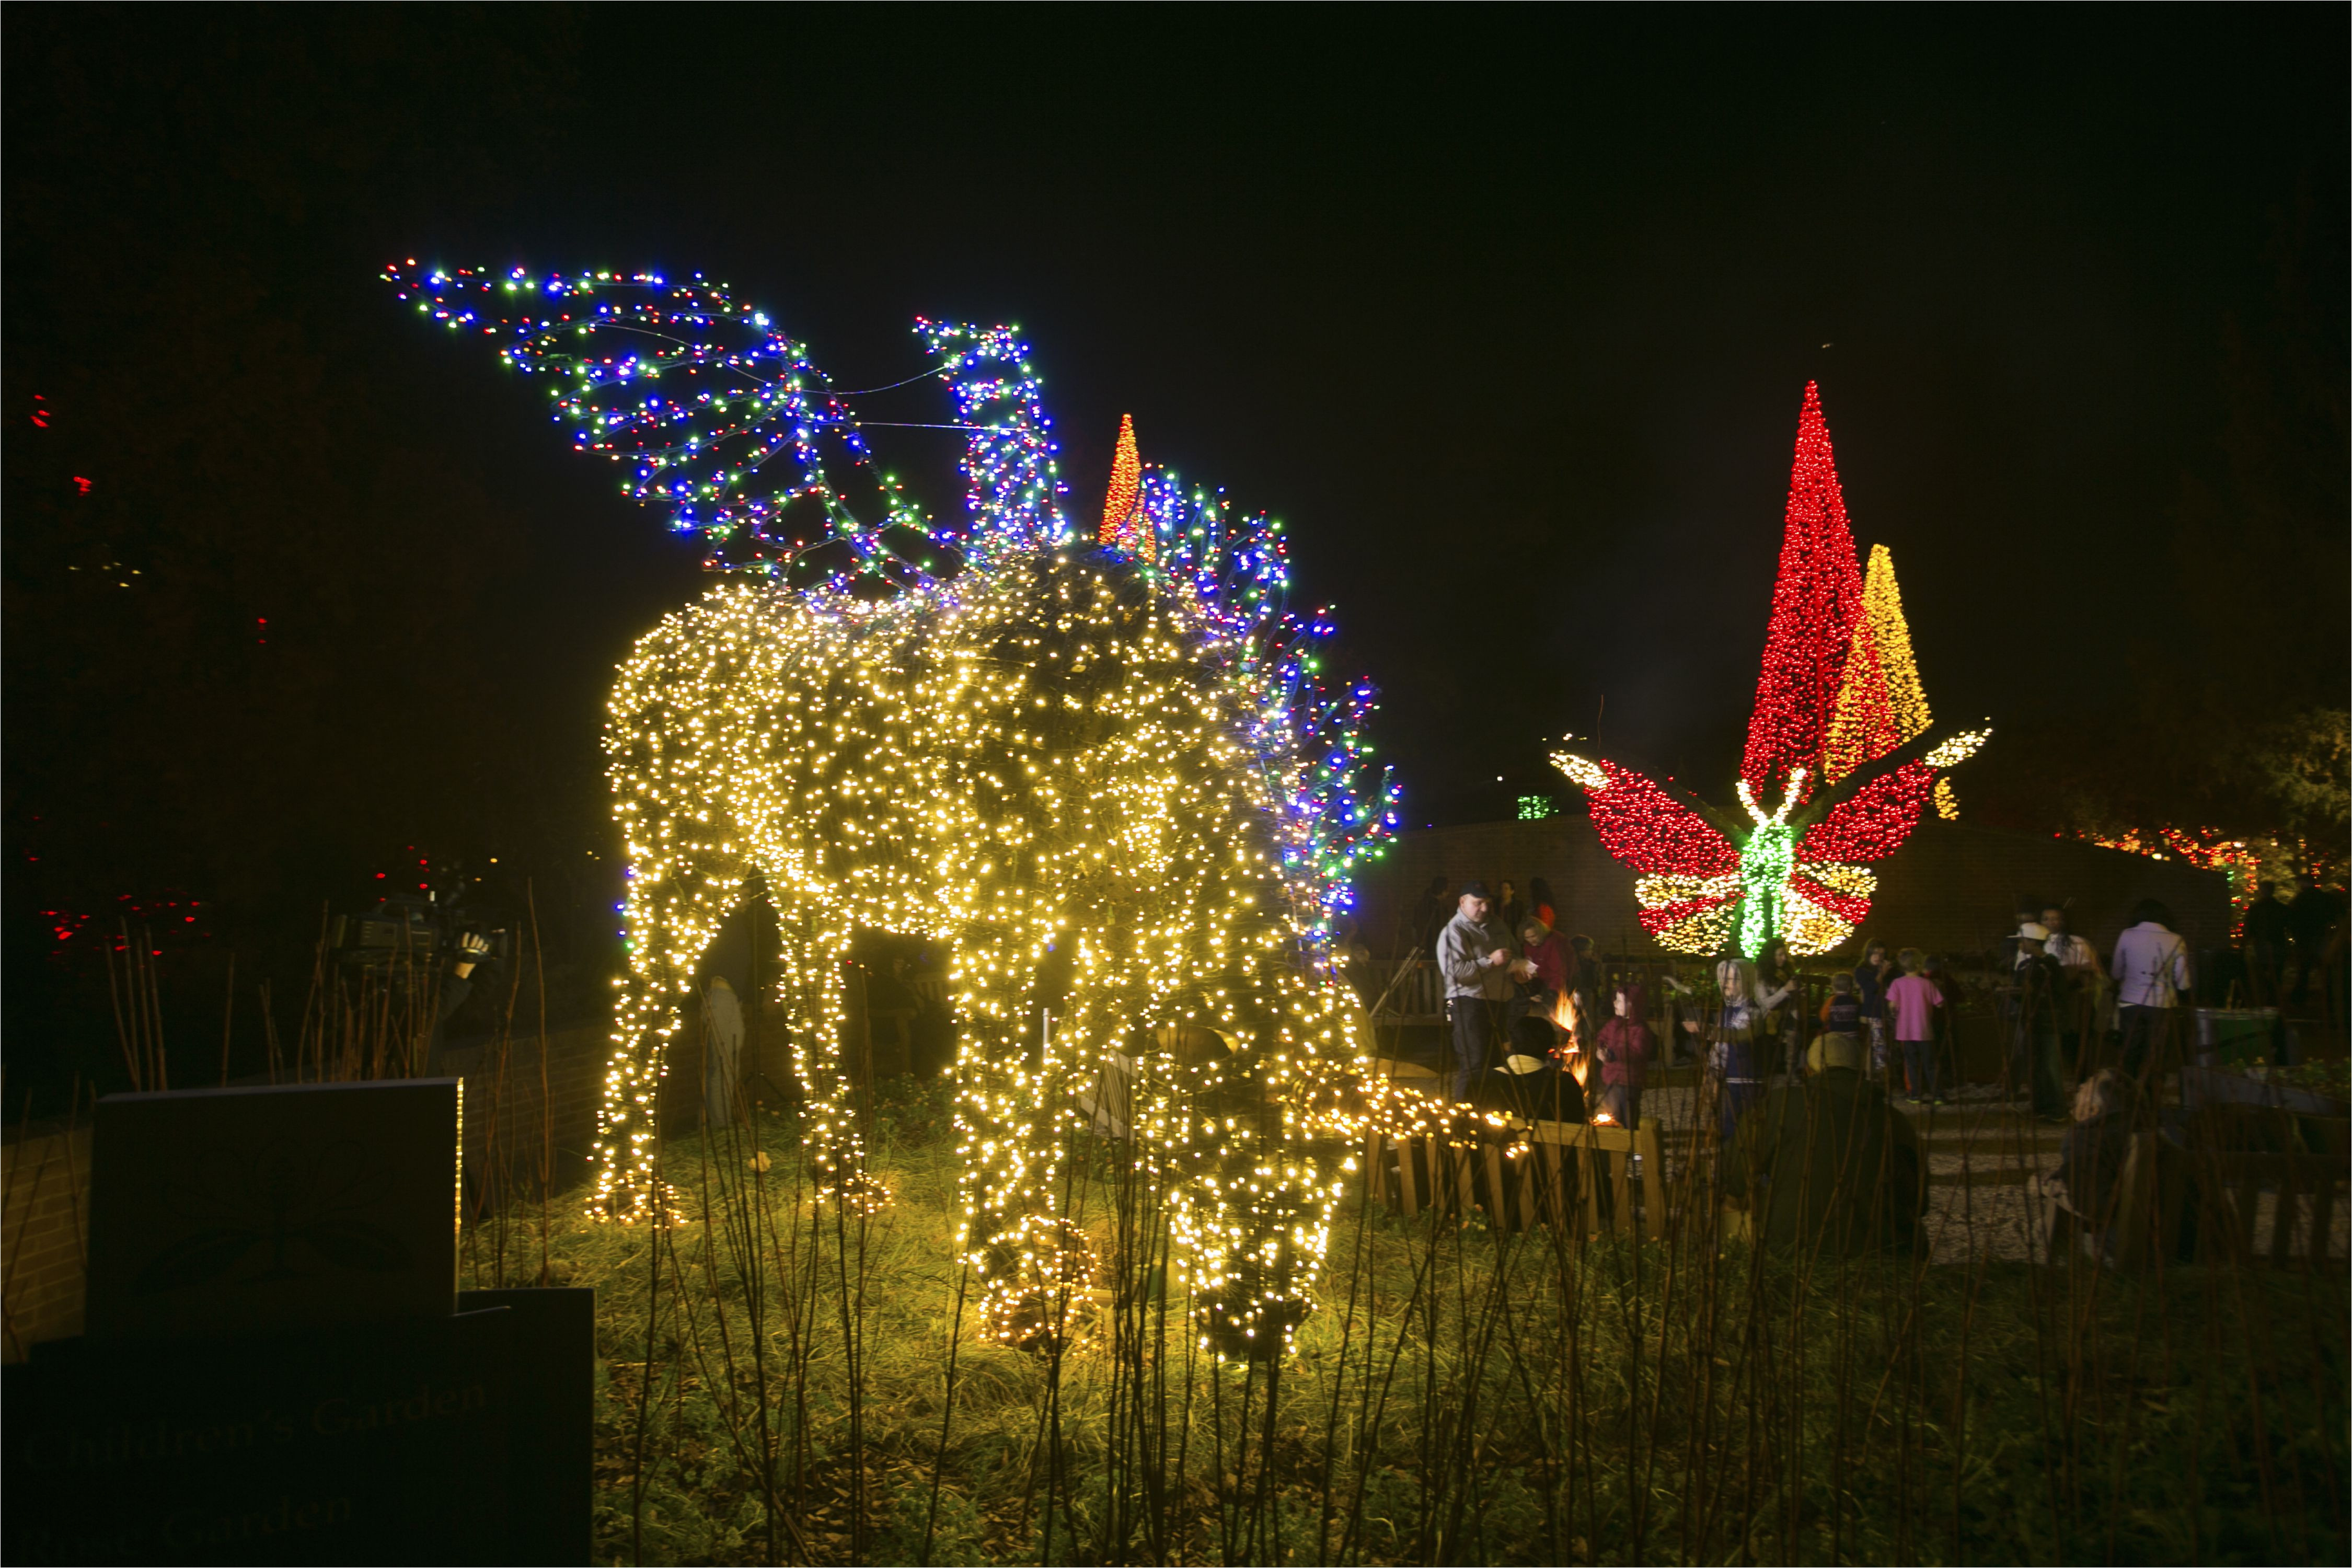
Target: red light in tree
(1123, 522)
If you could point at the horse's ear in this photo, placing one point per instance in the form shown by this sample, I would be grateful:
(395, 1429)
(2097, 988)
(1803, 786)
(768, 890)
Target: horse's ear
(1014, 490)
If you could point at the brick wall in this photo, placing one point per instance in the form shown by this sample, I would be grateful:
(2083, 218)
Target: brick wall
(531, 1110)
(1949, 889)
(512, 1130)
(515, 1131)
(45, 1210)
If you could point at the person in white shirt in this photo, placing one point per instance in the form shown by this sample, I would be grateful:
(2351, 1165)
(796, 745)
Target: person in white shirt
(2074, 954)
(2151, 969)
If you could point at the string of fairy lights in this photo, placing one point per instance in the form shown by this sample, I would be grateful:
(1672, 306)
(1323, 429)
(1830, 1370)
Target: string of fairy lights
(1840, 690)
(1107, 775)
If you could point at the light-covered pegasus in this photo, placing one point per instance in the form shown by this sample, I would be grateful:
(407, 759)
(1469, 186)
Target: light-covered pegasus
(1100, 770)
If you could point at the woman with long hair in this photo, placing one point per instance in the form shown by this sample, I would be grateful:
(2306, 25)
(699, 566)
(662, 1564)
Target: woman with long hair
(1731, 1031)
(1509, 908)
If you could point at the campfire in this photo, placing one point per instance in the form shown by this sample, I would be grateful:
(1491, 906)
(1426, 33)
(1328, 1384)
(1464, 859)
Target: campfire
(1567, 1024)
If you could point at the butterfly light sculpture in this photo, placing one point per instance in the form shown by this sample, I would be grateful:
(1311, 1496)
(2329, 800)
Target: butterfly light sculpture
(1839, 764)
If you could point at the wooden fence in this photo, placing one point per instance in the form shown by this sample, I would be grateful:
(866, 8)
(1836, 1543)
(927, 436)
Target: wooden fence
(1581, 1181)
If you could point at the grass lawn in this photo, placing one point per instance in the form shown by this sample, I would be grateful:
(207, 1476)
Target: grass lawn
(781, 1383)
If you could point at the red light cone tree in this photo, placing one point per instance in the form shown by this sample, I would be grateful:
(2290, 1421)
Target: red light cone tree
(1816, 601)
(1123, 523)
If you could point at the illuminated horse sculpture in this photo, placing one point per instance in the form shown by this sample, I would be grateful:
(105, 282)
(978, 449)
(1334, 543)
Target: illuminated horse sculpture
(1100, 771)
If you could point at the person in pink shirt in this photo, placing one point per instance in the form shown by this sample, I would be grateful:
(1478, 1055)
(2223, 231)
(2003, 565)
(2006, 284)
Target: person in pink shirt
(1913, 999)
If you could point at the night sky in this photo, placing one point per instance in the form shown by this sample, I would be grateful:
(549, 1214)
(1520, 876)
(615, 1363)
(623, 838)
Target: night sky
(1508, 313)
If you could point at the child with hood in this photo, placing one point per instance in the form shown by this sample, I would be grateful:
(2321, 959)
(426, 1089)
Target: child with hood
(1624, 1049)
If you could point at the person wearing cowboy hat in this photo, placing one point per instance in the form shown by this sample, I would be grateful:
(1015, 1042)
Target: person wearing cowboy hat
(2037, 1005)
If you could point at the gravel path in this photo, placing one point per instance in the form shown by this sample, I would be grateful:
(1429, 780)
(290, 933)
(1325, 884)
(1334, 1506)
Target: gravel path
(1985, 1160)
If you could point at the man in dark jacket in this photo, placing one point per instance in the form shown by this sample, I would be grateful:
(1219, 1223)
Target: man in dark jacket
(2038, 1004)
(1870, 978)
(1830, 1163)
(2268, 930)
(2311, 915)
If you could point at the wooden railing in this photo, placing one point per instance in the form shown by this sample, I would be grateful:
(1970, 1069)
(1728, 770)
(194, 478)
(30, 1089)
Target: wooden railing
(2302, 1170)
(1581, 1181)
(1405, 991)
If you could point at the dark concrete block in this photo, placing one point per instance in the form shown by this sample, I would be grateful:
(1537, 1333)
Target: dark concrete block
(236, 1211)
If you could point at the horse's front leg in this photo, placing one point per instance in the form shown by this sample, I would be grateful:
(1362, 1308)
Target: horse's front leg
(1264, 1147)
(672, 910)
(814, 989)
(1011, 1105)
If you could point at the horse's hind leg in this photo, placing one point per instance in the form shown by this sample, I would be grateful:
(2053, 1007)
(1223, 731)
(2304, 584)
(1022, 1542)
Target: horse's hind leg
(1261, 1168)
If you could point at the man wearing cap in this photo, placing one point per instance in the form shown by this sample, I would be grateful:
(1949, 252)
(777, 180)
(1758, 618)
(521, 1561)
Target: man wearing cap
(1475, 958)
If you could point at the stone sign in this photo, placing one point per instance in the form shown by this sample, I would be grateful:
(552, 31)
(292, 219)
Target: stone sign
(386, 1444)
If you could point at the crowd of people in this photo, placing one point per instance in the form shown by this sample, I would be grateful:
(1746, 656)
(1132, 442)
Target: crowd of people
(1521, 1000)
(1807, 1074)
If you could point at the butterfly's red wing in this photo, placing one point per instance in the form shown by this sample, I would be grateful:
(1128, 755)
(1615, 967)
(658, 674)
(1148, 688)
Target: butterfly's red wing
(1874, 822)
(1690, 888)
(1830, 885)
(1647, 829)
